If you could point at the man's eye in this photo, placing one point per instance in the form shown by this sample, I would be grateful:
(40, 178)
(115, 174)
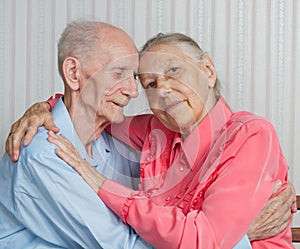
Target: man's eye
(118, 75)
(151, 84)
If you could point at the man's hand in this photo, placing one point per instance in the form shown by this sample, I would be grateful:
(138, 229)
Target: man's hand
(275, 216)
(37, 115)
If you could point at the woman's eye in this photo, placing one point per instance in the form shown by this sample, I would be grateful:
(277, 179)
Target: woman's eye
(173, 70)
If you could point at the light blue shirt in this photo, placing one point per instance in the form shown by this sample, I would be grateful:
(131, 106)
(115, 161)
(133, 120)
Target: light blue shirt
(244, 243)
(45, 204)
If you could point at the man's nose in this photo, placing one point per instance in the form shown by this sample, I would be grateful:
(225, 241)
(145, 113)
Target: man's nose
(131, 88)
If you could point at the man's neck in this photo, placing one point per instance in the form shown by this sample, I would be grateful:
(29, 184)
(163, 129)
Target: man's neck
(85, 125)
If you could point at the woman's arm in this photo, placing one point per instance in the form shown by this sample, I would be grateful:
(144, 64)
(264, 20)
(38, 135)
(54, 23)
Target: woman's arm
(26, 127)
(133, 130)
(143, 211)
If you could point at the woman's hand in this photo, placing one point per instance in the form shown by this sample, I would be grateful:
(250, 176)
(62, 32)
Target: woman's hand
(67, 152)
(26, 127)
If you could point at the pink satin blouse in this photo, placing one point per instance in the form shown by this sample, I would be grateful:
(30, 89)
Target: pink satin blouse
(205, 191)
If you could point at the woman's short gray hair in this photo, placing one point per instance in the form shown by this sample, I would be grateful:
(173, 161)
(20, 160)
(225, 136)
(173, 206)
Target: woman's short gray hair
(188, 46)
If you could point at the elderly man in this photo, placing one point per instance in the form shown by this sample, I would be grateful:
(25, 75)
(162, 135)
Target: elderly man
(43, 203)
(47, 203)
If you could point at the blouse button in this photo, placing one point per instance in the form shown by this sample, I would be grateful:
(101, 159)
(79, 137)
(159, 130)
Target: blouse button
(168, 198)
(181, 169)
(195, 201)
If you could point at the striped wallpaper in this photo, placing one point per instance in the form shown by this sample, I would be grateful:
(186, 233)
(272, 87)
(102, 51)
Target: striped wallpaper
(255, 45)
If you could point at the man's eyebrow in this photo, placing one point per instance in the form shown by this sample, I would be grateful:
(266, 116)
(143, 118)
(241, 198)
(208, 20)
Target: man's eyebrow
(124, 68)
(121, 68)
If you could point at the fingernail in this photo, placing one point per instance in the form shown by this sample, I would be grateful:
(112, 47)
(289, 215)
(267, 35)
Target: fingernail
(278, 183)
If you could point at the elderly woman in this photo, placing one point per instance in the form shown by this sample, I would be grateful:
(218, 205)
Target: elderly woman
(206, 172)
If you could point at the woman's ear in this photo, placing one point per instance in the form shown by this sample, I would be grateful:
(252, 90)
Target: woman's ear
(210, 71)
(71, 71)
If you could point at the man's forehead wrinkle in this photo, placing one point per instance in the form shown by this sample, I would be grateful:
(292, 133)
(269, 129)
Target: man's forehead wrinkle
(116, 49)
(129, 62)
(122, 64)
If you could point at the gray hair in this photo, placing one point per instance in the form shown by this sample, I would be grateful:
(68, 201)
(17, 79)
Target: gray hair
(187, 45)
(79, 40)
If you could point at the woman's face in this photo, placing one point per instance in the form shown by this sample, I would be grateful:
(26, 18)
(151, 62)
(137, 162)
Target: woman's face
(179, 89)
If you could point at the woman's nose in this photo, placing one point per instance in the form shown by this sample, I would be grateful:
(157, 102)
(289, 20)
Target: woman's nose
(164, 87)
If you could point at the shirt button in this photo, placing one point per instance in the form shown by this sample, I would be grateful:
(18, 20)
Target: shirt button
(168, 198)
(181, 169)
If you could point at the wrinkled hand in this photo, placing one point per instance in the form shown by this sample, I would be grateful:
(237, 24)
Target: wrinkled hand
(275, 216)
(37, 115)
(67, 152)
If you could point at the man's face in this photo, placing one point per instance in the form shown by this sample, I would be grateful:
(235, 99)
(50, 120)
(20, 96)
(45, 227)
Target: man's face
(108, 83)
(110, 88)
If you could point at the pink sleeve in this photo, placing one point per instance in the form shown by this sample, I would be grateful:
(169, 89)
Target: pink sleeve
(133, 130)
(249, 165)
(52, 101)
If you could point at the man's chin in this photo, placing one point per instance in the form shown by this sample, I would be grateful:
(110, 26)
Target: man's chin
(117, 119)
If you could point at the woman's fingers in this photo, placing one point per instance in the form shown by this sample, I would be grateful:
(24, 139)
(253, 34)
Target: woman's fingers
(60, 142)
(67, 158)
(66, 151)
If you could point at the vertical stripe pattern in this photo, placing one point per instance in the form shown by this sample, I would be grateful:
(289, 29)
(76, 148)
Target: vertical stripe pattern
(255, 45)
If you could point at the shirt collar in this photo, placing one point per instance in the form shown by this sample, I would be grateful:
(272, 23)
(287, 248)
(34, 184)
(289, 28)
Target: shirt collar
(197, 144)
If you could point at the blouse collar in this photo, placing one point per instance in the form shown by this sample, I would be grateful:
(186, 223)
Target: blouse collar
(197, 144)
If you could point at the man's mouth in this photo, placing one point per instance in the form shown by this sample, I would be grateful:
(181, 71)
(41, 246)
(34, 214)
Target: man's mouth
(172, 106)
(120, 103)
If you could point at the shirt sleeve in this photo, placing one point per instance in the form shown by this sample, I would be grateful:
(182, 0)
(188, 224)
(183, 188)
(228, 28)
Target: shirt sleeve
(56, 204)
(244, 180)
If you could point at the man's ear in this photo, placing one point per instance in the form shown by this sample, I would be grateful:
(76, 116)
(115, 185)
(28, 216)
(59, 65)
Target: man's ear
(210, 71)
(71, 71)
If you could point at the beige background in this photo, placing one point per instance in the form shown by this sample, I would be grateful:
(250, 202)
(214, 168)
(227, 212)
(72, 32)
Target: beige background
(255, 45)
